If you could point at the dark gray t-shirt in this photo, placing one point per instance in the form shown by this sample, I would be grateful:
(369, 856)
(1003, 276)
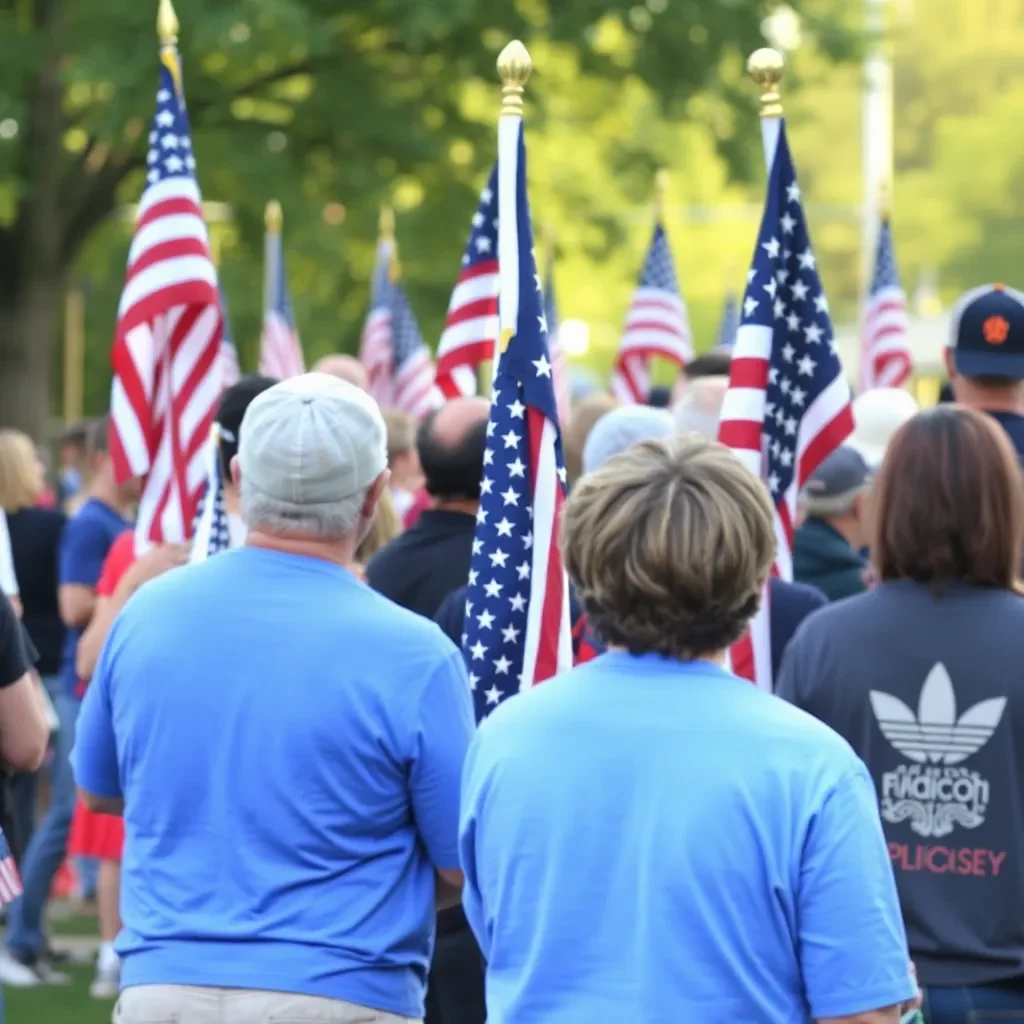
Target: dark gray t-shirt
(929, 691)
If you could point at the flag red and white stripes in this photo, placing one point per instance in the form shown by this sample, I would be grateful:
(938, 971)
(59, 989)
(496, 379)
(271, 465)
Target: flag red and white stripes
(375, 352)
(657, 324)
(167, 346)
(885, 337)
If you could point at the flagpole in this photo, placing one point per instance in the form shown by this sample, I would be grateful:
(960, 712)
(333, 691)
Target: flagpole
(514, 67)
(660, 195)
(766, 67)
(273, 220)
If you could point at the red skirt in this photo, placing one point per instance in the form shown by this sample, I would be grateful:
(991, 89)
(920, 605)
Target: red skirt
(95, 835)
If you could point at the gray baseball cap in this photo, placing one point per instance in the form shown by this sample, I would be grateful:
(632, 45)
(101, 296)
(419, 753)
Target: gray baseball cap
(312, 440)
(622, 428)
(843, 472)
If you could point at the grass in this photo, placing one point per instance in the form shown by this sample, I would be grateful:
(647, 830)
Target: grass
(69, 1004)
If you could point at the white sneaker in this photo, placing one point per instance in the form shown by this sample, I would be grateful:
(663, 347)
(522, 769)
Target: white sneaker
(16, 974)
(107, 983)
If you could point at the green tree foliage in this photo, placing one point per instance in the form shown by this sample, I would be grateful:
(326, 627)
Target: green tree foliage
(315, 103)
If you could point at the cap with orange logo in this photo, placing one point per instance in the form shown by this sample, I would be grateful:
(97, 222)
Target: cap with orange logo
(987, 333)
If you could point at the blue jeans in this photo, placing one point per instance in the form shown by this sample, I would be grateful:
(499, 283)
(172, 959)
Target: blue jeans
(49, 841)
(979, 1004)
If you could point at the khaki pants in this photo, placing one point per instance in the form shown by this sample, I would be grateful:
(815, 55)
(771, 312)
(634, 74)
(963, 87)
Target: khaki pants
(186, 1004)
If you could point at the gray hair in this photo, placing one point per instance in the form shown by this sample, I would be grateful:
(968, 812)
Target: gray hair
(328, 520)
(700, 408)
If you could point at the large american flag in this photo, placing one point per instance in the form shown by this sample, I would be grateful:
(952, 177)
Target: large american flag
(230, 370)
(375, 345)
(517, 629)
(167, 345)
(10, 880)
(885, 346)
(788, 403)
(730, 324)
(559, 365)
(280, 347)
(412, 381)
(471, 326)
(657, 324)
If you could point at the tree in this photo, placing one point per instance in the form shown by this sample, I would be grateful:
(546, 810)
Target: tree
(313, 103)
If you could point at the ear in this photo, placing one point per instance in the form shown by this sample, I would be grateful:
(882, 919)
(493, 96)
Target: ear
(374, 492)
(236, 471)
(947, 358)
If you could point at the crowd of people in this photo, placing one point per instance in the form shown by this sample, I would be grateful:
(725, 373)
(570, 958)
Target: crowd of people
(265, 768)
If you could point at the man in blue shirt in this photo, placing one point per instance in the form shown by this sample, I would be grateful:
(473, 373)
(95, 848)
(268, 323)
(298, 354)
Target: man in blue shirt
(286, 745)
(86, 539)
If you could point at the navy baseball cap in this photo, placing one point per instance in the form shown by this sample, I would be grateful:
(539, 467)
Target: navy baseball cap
(987, 333)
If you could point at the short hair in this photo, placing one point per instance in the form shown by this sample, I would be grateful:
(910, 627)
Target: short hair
(231, 411)
(326, 520)
(75, 435)
(659, 397)
(668, 546)
(949, 502)
(401, 432)
(584, 414)
(452, 472)
(98, 436)
(711, 364)
(19, 479)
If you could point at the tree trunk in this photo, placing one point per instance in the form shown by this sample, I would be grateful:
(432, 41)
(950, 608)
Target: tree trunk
(29, 321)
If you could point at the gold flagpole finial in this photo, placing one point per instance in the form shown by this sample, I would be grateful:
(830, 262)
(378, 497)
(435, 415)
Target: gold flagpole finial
(273, 217)
(514, 67)
(660, 193)
(167, 24)
(386, 224)
(765, 68)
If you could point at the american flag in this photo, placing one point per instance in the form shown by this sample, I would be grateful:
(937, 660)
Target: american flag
(166, 355)
(210, 532)
(517, 608)
(230, 370)
(730, 324)
(471, 327)
(412, 381)
(885, 348)
(280, 347)
(788, 403)
(10, 880)
(559, 365)
(375, 346)
(657, 324)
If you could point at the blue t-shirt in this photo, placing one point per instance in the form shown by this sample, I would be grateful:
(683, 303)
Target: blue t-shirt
(651, 841)
(83, 548)
(289, 746)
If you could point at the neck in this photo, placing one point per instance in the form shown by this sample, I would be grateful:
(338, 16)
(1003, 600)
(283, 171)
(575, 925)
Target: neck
(231, 503)
(847, 527)
(466, 507)
(969, 394)
(106, 491)
(337, 550)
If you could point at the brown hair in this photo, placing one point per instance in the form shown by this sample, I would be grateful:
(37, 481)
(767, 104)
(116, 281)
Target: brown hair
(401, 428)
(19, 478)
(668, 545)
(385, 527)
(584, 415)
(949, 502)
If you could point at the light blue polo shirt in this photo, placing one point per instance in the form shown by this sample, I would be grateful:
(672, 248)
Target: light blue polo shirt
(651, 841)
(289, 747)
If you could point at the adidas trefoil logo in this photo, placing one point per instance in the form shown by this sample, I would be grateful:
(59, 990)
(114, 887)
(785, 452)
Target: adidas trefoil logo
(935, 735)
(932, 794)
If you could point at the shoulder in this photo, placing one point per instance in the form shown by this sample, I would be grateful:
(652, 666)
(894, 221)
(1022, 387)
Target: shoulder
(834, 620)
(796, 595)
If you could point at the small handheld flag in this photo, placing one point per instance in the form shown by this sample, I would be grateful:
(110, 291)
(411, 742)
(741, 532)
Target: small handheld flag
(885, 337)
(280, 348)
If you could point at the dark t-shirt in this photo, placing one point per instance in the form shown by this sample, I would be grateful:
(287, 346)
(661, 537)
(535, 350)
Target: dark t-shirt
(35, 543)
(14, 661)
(422, 566)
(929, 691)
(1013, 424)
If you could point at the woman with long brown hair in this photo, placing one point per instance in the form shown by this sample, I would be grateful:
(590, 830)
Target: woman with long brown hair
(924, 676)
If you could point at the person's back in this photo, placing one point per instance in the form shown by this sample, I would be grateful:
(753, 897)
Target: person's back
(270, 840)
(823, 558)
(678, 809)
(928, 690)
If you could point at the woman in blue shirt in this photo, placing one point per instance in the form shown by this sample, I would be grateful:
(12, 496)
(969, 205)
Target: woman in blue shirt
(650, 839)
